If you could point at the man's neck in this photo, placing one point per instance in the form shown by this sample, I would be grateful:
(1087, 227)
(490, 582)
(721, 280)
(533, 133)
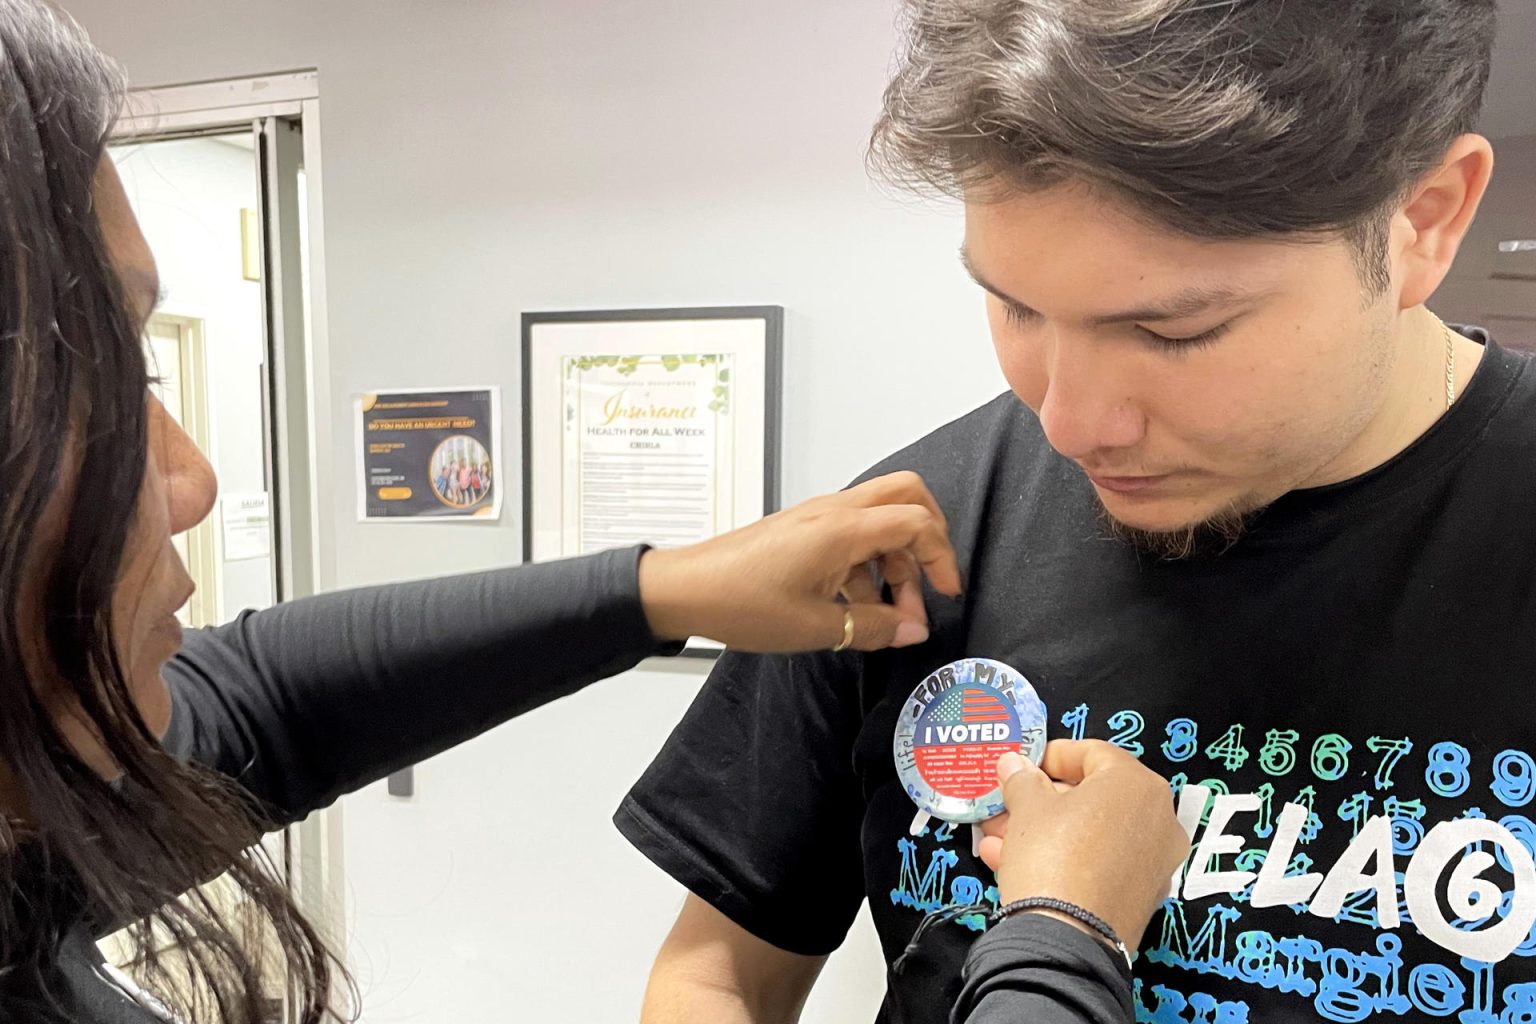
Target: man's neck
(1415, 396)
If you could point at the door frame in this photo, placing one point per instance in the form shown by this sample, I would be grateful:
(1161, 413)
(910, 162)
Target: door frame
(311, 851)
(205, 108)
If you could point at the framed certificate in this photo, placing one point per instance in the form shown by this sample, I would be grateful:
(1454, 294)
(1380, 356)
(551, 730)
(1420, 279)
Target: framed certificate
(657, 426)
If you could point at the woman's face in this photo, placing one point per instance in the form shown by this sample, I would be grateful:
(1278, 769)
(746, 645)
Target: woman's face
(178, 492)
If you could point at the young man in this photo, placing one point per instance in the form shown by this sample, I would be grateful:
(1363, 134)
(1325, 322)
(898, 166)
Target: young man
(1251, 512)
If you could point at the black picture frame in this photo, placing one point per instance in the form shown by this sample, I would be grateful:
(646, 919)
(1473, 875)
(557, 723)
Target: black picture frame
(773, 385)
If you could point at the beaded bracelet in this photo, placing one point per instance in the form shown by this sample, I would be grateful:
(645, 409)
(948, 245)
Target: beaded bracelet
(1073, 911)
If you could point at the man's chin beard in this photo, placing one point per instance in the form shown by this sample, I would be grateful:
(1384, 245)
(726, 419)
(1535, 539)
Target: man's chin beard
(1210, 538)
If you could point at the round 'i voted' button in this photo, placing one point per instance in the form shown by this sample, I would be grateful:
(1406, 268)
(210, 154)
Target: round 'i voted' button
(952, 730)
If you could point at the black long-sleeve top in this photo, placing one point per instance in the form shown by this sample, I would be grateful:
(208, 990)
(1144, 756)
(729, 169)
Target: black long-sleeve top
(310, 700)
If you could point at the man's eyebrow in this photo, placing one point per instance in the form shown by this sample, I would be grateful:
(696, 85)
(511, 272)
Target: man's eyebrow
(1181, 304)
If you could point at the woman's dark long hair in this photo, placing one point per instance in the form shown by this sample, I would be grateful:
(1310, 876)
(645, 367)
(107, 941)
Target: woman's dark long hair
(73, 422)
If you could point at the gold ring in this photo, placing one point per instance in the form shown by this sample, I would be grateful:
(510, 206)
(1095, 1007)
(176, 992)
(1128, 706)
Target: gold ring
(847, 640)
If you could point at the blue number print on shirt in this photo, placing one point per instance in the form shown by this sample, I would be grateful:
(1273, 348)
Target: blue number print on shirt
(1131, 725)
(1076, 720)
(1447, 773)
(1514, 778)
(1181, 743)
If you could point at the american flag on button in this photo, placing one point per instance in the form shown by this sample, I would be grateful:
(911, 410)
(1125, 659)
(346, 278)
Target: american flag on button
(971, 704)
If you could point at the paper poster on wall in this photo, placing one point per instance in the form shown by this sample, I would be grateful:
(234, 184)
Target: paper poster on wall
(429, 454)
(247, 526)
(646, 451)
(648, 426)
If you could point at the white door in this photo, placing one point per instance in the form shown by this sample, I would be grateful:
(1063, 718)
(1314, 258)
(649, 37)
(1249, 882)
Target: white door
(195, 199)
(175, 353)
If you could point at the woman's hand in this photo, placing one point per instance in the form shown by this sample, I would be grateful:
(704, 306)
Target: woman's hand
(774, 586)
(1092, 826)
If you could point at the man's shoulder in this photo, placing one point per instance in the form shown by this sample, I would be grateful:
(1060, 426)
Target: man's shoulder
(1519, 368)
(1506, 441)
(972, 449)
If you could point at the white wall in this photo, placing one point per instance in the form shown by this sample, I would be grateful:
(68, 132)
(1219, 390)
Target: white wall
(188, 196)
(483, 158)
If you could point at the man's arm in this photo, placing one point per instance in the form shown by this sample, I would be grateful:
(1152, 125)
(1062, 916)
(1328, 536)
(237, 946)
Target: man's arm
(712, 971)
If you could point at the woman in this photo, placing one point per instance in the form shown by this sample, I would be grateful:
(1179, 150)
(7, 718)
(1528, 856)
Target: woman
(466, 489)
(281, 712)
(135, 762)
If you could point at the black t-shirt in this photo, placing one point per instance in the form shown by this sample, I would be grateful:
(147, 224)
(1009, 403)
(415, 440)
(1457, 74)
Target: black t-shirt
(1367, 653)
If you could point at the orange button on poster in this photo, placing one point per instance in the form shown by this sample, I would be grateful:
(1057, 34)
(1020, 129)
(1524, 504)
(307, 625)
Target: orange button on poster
(395, 493)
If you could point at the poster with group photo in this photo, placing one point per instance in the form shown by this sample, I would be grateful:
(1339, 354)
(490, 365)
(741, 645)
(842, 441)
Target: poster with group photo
(429, 455)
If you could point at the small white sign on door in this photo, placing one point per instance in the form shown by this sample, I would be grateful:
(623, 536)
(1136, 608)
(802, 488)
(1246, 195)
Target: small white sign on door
(247, 526)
